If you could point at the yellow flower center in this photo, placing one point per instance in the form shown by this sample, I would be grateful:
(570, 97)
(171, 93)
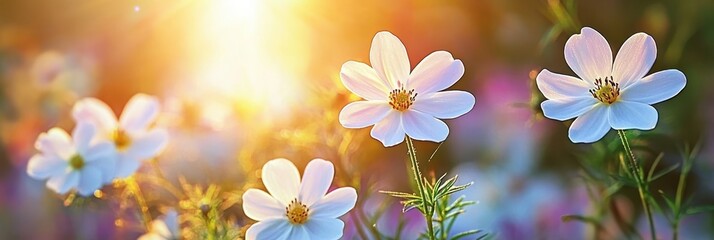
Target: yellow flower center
(297, 212)
(606, 91)
(76, 162)
(400, 99)
(121, 139)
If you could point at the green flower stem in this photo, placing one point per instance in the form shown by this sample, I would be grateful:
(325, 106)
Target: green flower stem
(641, 184)
(680, 192)
(428, 213)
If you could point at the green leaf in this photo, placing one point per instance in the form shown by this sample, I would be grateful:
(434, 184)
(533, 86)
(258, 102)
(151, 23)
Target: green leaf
(699, 209)
(465, 234)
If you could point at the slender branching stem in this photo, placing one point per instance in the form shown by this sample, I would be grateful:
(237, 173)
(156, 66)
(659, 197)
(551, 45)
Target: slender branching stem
(636, 170)
(133, 187)
(428, 211)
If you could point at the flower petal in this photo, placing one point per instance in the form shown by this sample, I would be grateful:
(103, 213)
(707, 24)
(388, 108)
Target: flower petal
(299, 233)
(421, 126)
(140, 111)
(325, 228)
(435, 72)
(90, 179)
(389, 131)
(272, 229)
(148, 145)
(634, 59)
(45, 166)
(364, 81)
(558, 86)
(103, 156)
(567, 108)
(655, 88)
(447, 104)
(126, 166)
(389, 58)
(591, 126)
(97, 113)
(589, 55)
(316, 181)
(363, 113)
(260, 206)
(56, 142)
(282, 179)
(83, 134)
(335, 203)
(632, 115)
(63, 183)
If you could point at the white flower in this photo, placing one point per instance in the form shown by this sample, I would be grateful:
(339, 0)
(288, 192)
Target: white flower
(164, 229)
(75, 162)
(399, 102)
(607, 95)
(297, 210)
(133, 135)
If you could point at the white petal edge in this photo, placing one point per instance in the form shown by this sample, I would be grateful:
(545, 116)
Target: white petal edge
(335, 204)
(389, 131)
(421, 126)
(282, 179)
(146, 145)
(82, 135)
(272, 229)
(42, 166)
(567, 108)
(56, 142)
(90, 179)
(260, 206)
(559, 86)
(363, 81)
(589, 55)
(591, 126)
(126, 166)
(139, 113)
(655, 88)
(445, 105)
(325, 228)
(634, 59)
(389, 58)
(103, 156)
(435, 72)
(316, 181)
(363, 113)
(97, 113)
(632, 115)
(63, 183)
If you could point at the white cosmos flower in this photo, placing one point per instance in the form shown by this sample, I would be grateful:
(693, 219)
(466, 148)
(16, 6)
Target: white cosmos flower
(607, 95)
(297, 210)
(164, 229)
(399, 102)
(133, 135)
(76, 162)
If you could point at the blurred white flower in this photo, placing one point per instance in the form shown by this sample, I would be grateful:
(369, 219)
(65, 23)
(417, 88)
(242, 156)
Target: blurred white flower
(76, 162)
(607, 95)
(399, 102)
(297, 210)
(133, 134)
(164, 229)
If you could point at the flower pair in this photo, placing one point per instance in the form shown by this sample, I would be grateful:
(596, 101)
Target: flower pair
(101, 147)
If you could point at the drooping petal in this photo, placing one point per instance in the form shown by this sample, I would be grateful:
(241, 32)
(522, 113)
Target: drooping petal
(655, 88)
(389, 131)
(589, 55)
(149, 144)
(567, 108)
(421, 126)
(558, 86)
(634, 59)
(632, 115)
(445, 105)
(282, 179)
(316, 181)
(335, 203)
(64, 182)
(363, 113)
(56, 142)
(97, 113)
(364, 81)
(83, 134)
(271, 229)
(126, 166)
(90, 179)
(325, 228)
(45, 166)
(260, 206)
(591, 126)
(139, 113)
(388, 57)
(436, 72)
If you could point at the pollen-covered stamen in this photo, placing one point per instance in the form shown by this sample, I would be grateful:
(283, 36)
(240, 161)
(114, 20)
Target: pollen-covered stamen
(76, 162)
(121, 139)
(606, 91)
(400, 99)
(297, 212)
